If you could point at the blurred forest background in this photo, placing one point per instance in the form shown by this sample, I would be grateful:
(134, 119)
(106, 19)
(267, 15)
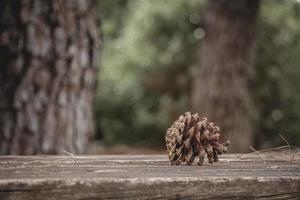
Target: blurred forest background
(151, 55)
(236, 62)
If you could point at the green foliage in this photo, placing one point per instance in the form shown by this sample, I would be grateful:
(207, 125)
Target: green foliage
(150, 53)
(147, 58)
(277, 90)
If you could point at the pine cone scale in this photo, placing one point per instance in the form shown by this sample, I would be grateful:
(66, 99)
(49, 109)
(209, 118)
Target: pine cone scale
(190, 136)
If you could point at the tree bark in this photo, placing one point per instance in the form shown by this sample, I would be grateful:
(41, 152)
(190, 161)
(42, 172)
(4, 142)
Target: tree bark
(48, 75)
(221, 89)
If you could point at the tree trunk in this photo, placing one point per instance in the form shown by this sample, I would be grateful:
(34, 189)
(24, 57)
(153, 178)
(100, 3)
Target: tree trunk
(221, 89)
(48, 75)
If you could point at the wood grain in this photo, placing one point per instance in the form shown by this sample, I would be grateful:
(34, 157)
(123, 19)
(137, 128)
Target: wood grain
(236, 176)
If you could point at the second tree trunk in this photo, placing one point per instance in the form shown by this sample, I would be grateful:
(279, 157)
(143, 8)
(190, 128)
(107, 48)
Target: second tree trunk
(221, 89)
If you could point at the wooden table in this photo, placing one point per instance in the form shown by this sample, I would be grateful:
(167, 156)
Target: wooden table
(236, 176)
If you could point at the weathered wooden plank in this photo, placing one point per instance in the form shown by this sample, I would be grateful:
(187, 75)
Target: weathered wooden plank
(246, 176)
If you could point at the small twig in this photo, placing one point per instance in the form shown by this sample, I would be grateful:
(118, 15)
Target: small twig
(70, 154)
(66, 152)
(252, 148)
(285, 140)
(272, 149)
(277, 148)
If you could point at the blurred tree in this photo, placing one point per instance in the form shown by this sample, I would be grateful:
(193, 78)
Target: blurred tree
(48, 75)
(221, 90)
(150, 56)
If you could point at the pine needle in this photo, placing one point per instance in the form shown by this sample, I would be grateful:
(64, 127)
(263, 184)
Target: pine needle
(70, 154)
(252, 148)
(285, 140)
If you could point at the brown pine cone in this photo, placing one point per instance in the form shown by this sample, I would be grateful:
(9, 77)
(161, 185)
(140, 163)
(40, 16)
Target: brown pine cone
(192, 136)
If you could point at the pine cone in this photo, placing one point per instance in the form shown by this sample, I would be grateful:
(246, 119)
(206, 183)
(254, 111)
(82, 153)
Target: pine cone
(192, 136)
